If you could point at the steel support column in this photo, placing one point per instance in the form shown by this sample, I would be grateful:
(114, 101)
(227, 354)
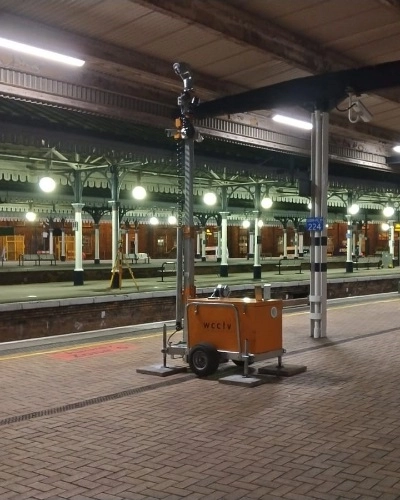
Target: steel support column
(97, 243)
(391, 238)
(179, 285)
(285, 242)
(78, 269)
(319, 185)
(114, 242)
(349, 244)
(224, 245)
(203, 244)
(63, 257)
(188, 229)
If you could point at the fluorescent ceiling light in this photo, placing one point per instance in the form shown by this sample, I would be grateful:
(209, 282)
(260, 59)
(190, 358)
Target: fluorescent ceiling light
(396, 149)
(293, 122)
(45, 54)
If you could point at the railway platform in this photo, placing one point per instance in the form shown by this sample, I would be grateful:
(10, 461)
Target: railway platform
(78, 422)
(43, 309)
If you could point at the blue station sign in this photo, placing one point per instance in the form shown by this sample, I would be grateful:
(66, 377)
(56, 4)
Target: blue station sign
(314, 223)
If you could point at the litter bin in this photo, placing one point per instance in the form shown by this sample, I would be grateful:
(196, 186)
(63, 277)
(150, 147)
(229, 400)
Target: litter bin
(267, 291)
(387, 260)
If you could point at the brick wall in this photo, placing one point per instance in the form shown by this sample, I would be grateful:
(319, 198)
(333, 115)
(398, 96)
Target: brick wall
(101, 313)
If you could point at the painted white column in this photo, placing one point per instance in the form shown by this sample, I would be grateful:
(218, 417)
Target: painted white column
(349, 245)
(284, 243)
(114, 230)
(78, 270)
(391, 238)
(198, 245)
(218, 253)
(51, 241)
(224, 244)
(203, 244)
(318, 258)
(251, 244)
(296, 243)
(62, 253)
(360, 241)
(126, 242)
(97, 243)
(301, 244)
(257, 245)
(136, 241)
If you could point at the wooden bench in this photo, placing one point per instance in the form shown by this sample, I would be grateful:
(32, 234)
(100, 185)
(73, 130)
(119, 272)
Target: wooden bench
(372, 261)
(28, 257)
(36, 258)
(168, 267)
(265, 255)
(139, 256)
(289, 264)
(47, 257)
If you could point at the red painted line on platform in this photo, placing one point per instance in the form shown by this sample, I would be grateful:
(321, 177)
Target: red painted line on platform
(87, 352)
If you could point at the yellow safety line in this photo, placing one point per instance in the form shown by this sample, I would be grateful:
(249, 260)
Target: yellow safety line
(128, 339)
(74, 348)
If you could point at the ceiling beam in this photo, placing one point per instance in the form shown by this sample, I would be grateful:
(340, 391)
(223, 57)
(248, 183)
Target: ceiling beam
(241, 27)
(101, 56)
(391, 3)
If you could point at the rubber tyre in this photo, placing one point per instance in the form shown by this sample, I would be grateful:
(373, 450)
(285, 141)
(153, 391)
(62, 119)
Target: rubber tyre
(203, 360)
(241, 363)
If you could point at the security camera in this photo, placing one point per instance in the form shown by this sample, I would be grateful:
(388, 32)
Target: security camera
(183, 70)
(362, 111)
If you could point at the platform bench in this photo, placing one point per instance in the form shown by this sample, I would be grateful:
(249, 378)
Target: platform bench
(28, 257)
(373, 262)
(289, 264)
(139, 256)
(36, 258)
(265, 256)
(168, 267)
(47, 257)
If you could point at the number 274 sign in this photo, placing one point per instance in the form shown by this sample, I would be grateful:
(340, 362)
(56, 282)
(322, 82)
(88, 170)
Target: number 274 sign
(314, 224)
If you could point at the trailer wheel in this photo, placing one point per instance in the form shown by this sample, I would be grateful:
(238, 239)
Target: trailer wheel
(203, 360)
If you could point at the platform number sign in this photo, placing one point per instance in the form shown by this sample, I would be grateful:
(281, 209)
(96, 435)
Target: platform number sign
(314, 224)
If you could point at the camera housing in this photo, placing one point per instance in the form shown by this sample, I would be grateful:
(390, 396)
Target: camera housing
(362, 111)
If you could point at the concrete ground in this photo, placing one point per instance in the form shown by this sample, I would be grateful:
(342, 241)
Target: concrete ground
(77, 421)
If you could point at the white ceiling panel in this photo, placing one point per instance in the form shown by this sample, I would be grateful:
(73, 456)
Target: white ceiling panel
(152, 34)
